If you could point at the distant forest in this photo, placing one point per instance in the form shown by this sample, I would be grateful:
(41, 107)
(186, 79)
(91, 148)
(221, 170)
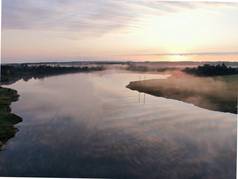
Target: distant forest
(12, 73)
(212, 70)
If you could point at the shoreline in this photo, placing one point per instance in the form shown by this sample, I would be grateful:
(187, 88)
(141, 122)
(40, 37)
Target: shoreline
(8, 120)
(216, 94)
(12, 73)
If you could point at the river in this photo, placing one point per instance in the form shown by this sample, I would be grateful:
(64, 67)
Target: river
(91, 125)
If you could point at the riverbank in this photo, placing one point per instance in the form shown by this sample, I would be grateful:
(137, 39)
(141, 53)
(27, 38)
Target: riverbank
(7, 119)
(213, 93)
(14, 72)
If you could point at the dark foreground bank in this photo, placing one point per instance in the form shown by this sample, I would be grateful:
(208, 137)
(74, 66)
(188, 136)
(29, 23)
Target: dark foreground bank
(7, 119)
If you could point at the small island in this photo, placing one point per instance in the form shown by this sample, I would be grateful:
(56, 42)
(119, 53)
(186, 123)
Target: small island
(7, 119)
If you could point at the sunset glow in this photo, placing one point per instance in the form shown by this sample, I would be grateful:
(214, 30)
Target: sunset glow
(118, 30)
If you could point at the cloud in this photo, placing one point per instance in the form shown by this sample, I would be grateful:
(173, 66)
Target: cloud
(91, 16)
(65, 15)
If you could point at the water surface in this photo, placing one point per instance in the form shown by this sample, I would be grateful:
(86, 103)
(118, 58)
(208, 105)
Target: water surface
(91, 125)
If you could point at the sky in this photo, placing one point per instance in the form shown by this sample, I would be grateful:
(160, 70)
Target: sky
(144, 30)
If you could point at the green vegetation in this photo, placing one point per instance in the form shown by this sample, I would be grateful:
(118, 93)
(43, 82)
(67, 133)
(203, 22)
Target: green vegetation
(215, 93)
(212, 70)
(7, 119)
(13, 73)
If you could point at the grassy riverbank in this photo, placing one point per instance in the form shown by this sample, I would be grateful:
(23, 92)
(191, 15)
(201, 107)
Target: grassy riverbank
(215, 93)
(7, 119)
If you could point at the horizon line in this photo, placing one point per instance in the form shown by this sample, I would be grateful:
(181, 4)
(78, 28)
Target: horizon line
(188, 54)
(118, 61)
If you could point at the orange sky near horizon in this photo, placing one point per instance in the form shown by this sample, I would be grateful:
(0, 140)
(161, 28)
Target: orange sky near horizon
(119, 30)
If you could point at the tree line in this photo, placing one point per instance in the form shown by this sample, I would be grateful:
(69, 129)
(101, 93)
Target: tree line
(12, 73)
(212, 70)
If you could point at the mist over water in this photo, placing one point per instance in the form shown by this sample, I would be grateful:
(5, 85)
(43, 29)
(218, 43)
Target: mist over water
(215, 93)
(91, 125)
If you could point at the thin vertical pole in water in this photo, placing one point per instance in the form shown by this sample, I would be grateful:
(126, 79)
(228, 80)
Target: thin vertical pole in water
(144, 93)
(144, 98)
(138, 91)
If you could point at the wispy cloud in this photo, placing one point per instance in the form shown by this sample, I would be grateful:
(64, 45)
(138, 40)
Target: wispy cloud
(92, 16)
(73, 15)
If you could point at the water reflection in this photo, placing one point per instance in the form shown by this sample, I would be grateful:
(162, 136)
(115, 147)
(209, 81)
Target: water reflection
(141, 98)
(91, 125)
